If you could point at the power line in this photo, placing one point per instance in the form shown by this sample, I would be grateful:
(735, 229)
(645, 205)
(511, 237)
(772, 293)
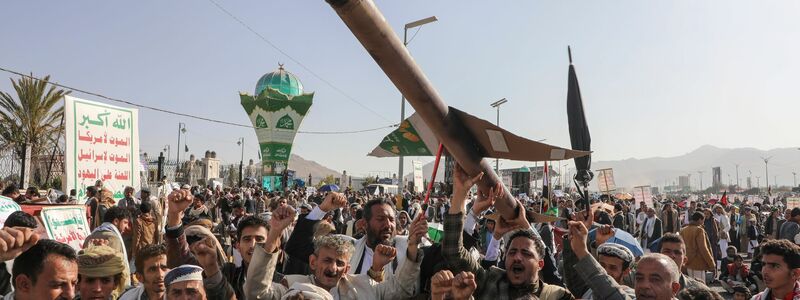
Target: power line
(179, 113)
(271, 44)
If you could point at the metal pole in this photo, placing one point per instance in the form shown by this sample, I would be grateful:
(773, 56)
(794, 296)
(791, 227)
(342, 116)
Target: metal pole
(497, 160)
(178, 156)
(241, 162)
(402, 118)
(737, 177)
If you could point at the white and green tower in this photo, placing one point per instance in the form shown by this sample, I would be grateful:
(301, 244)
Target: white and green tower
(276, 111)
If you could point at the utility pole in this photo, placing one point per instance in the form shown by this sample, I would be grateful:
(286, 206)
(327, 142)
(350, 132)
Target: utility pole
(794, 174)
(766, 169)
(240, 142)
(758, 182)
(408, 26)
(701, 180)
(737, 176)
(497, 104)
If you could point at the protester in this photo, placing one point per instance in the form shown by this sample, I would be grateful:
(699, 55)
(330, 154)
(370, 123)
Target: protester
(43, 269)
(699, 257)
(669, 218)
(781, 270)
(651, 229)
(329, 264)
(657, 276)
(252, 231)
(102, 273)
(444, 285)
(151, 268)
(524, 250)
(145, 230)
(186, 283)
(672, 246)
(116, 222)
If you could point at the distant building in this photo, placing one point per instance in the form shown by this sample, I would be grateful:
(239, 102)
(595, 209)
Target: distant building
(683, 183)
(716, 177)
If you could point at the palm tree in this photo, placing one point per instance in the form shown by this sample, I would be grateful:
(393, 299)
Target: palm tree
(33, 119)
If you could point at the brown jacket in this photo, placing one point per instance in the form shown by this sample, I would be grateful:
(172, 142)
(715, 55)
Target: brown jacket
(697, 251)
(144, 232)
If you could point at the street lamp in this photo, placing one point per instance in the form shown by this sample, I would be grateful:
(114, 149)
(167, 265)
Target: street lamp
(240, 142)
(408, 26)
(167, 150)
(701, 180)
(766, 169)
(497, 104)
(794, 174)
(181, 130)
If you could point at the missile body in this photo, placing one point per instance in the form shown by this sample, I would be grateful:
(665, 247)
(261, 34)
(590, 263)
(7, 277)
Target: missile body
(371, 29)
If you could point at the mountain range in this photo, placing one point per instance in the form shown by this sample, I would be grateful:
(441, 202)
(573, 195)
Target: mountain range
(660, 171)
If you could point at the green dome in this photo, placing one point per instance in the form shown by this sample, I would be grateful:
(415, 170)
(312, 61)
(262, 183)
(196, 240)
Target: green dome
(282, 81)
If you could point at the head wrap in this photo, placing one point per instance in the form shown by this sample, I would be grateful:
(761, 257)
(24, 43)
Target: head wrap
(616, 250)
(183, 273)
(103, 261)
(202, 232)
(309, 291)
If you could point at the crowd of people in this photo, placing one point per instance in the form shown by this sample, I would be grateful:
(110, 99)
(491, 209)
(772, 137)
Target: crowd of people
(197, 242)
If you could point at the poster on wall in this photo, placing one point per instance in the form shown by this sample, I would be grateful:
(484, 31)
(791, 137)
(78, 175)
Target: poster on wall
(66, 224)
(102, 144)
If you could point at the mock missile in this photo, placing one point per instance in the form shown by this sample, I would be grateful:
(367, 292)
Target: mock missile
(447, 124)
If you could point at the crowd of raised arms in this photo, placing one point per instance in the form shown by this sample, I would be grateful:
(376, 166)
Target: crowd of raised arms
(199, 242)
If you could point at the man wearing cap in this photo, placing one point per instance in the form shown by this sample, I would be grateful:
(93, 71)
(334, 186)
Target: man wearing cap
(330, 263)
(657, 275)
(616, 260)
(102, 274)
(186, 283)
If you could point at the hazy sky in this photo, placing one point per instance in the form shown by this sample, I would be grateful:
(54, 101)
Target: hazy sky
(658, 78)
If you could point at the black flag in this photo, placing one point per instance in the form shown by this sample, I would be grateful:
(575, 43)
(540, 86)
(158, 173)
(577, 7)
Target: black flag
(579, 131)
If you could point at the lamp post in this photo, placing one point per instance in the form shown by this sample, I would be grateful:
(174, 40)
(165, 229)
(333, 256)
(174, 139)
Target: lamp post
(766, 169)
(408, 26)
(794, 174)
(167, 150)
(497, 104)
(181, 130)
(701, 180)
(240, 142)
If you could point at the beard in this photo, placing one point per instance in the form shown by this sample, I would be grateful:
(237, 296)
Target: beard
(375, 237)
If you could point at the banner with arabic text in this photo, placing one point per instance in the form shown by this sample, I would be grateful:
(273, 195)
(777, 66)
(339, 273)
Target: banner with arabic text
(7, 207)
(102, 144)
(66, 224)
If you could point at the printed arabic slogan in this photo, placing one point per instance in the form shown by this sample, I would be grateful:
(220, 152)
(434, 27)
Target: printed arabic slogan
(7, 206)
(102, 144)
(66, 224)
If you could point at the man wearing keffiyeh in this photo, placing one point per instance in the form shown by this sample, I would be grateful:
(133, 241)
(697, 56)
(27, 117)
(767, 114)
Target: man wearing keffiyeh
(101, 273)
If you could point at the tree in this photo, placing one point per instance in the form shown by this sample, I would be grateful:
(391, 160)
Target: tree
(33, 119)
